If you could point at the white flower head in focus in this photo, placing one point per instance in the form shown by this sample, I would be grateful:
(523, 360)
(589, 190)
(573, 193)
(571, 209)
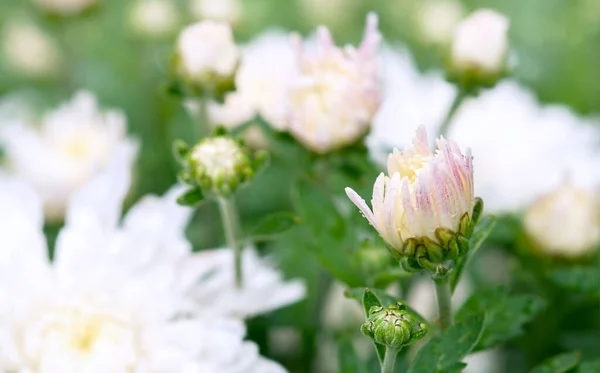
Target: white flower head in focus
(336, 94)
(565, 222)
(29, 50)
(71, 144)
(266, 71)
(154, 18)
(117, 295)
(65, 7)
(480, 47)
(222, 10)
(206, 52)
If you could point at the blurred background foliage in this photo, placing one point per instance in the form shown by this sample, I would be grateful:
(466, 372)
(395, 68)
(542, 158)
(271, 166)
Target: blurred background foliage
(556, 45)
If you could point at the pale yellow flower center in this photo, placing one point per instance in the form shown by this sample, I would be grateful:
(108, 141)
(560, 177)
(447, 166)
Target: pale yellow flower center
(217, 156)
(408, 166)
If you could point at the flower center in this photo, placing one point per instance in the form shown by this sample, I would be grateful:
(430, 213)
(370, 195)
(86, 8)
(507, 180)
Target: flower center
(407, 166)
(217, 156)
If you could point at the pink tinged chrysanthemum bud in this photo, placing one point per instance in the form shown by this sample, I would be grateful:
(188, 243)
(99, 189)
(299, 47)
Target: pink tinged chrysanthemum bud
(425, 207)
(336, 93)
(565, 222)
(479, 50)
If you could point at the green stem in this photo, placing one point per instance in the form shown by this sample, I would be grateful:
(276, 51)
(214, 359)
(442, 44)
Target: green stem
(389, 361)
(442, 289)
(230, 219)
(458, 100)
(202, 125)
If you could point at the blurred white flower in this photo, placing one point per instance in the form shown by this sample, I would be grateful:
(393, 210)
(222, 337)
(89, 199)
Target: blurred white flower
(72, 144)
(65, 7)
(121, 296)
(336, 94)
(30, 51)
(206, 49)
(481, 43)
(437, 20)
(565, 222)
(262, 82)
(154, 18)
(221, 10)
(545, 142)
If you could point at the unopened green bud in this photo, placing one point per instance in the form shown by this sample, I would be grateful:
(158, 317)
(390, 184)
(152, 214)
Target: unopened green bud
(394, 326)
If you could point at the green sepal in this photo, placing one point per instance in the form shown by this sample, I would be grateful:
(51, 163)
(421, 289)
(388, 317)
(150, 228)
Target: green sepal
(191, 197)
(185, 177)
(180, 150)
(435, 252)
(453, 249)
(463, 244)
(465, 225)
(410, 264)
(477, 211)
(410, 247)
(444, 236)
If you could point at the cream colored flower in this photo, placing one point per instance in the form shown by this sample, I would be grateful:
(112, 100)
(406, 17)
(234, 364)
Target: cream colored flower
(154, 18)
(207, 49)
(30, 51)
(219, 10)
(481, 43)
(437, 20)
(426, 197)
(565, 222)
(65, 7)
(334, 98)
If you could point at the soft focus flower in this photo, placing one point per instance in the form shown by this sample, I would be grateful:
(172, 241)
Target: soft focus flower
(336, 94)
(124, 296)
(154, 18)
(506, 117)
(30, 51)
(206, 51)
(437, 20)
(222, 10)
(426, 197)
(65, 7)
(262, 83)
(565, 222)
(71, 145)
(480, 44)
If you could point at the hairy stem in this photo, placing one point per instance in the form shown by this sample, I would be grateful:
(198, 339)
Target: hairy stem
(230, 219)
(442, 289)
(389, 361)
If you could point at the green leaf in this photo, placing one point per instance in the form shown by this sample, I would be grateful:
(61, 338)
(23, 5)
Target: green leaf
(349, 362)
(369, 300)
(325, 232)
(506, 314)
(191, 197)
(559, 364)
(273, 225)
(444, 352)
(580, 279)
(482, 231)
(592, 366)
(180, 150)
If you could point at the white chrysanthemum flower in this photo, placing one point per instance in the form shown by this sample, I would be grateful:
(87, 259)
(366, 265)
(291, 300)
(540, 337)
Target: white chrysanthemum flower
(121, 297)
(481, 43)
(65, 7)
(154, 18)
(437, 20)
(222, 10)
(336, 94)
(506, 117)
(263, 79)
(71, 145)
(30, 51)
(565, 222)
(207, 50)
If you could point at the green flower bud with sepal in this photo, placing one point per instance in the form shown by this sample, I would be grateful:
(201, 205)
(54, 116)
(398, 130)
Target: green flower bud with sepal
(394, 326)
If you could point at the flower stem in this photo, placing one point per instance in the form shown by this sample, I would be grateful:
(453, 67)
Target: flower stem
(458, 100)
(202, 125)
(230, 219)
(442, 289)
(389, 361)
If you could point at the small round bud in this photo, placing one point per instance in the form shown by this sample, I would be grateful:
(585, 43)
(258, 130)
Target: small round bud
(154, 19)
(394, 326)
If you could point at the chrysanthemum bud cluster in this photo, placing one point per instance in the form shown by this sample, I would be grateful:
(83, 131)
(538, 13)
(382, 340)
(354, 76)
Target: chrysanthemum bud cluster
(394, 326)
(479, 51)
(219, 165)
(207, 58)
(425, 207)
